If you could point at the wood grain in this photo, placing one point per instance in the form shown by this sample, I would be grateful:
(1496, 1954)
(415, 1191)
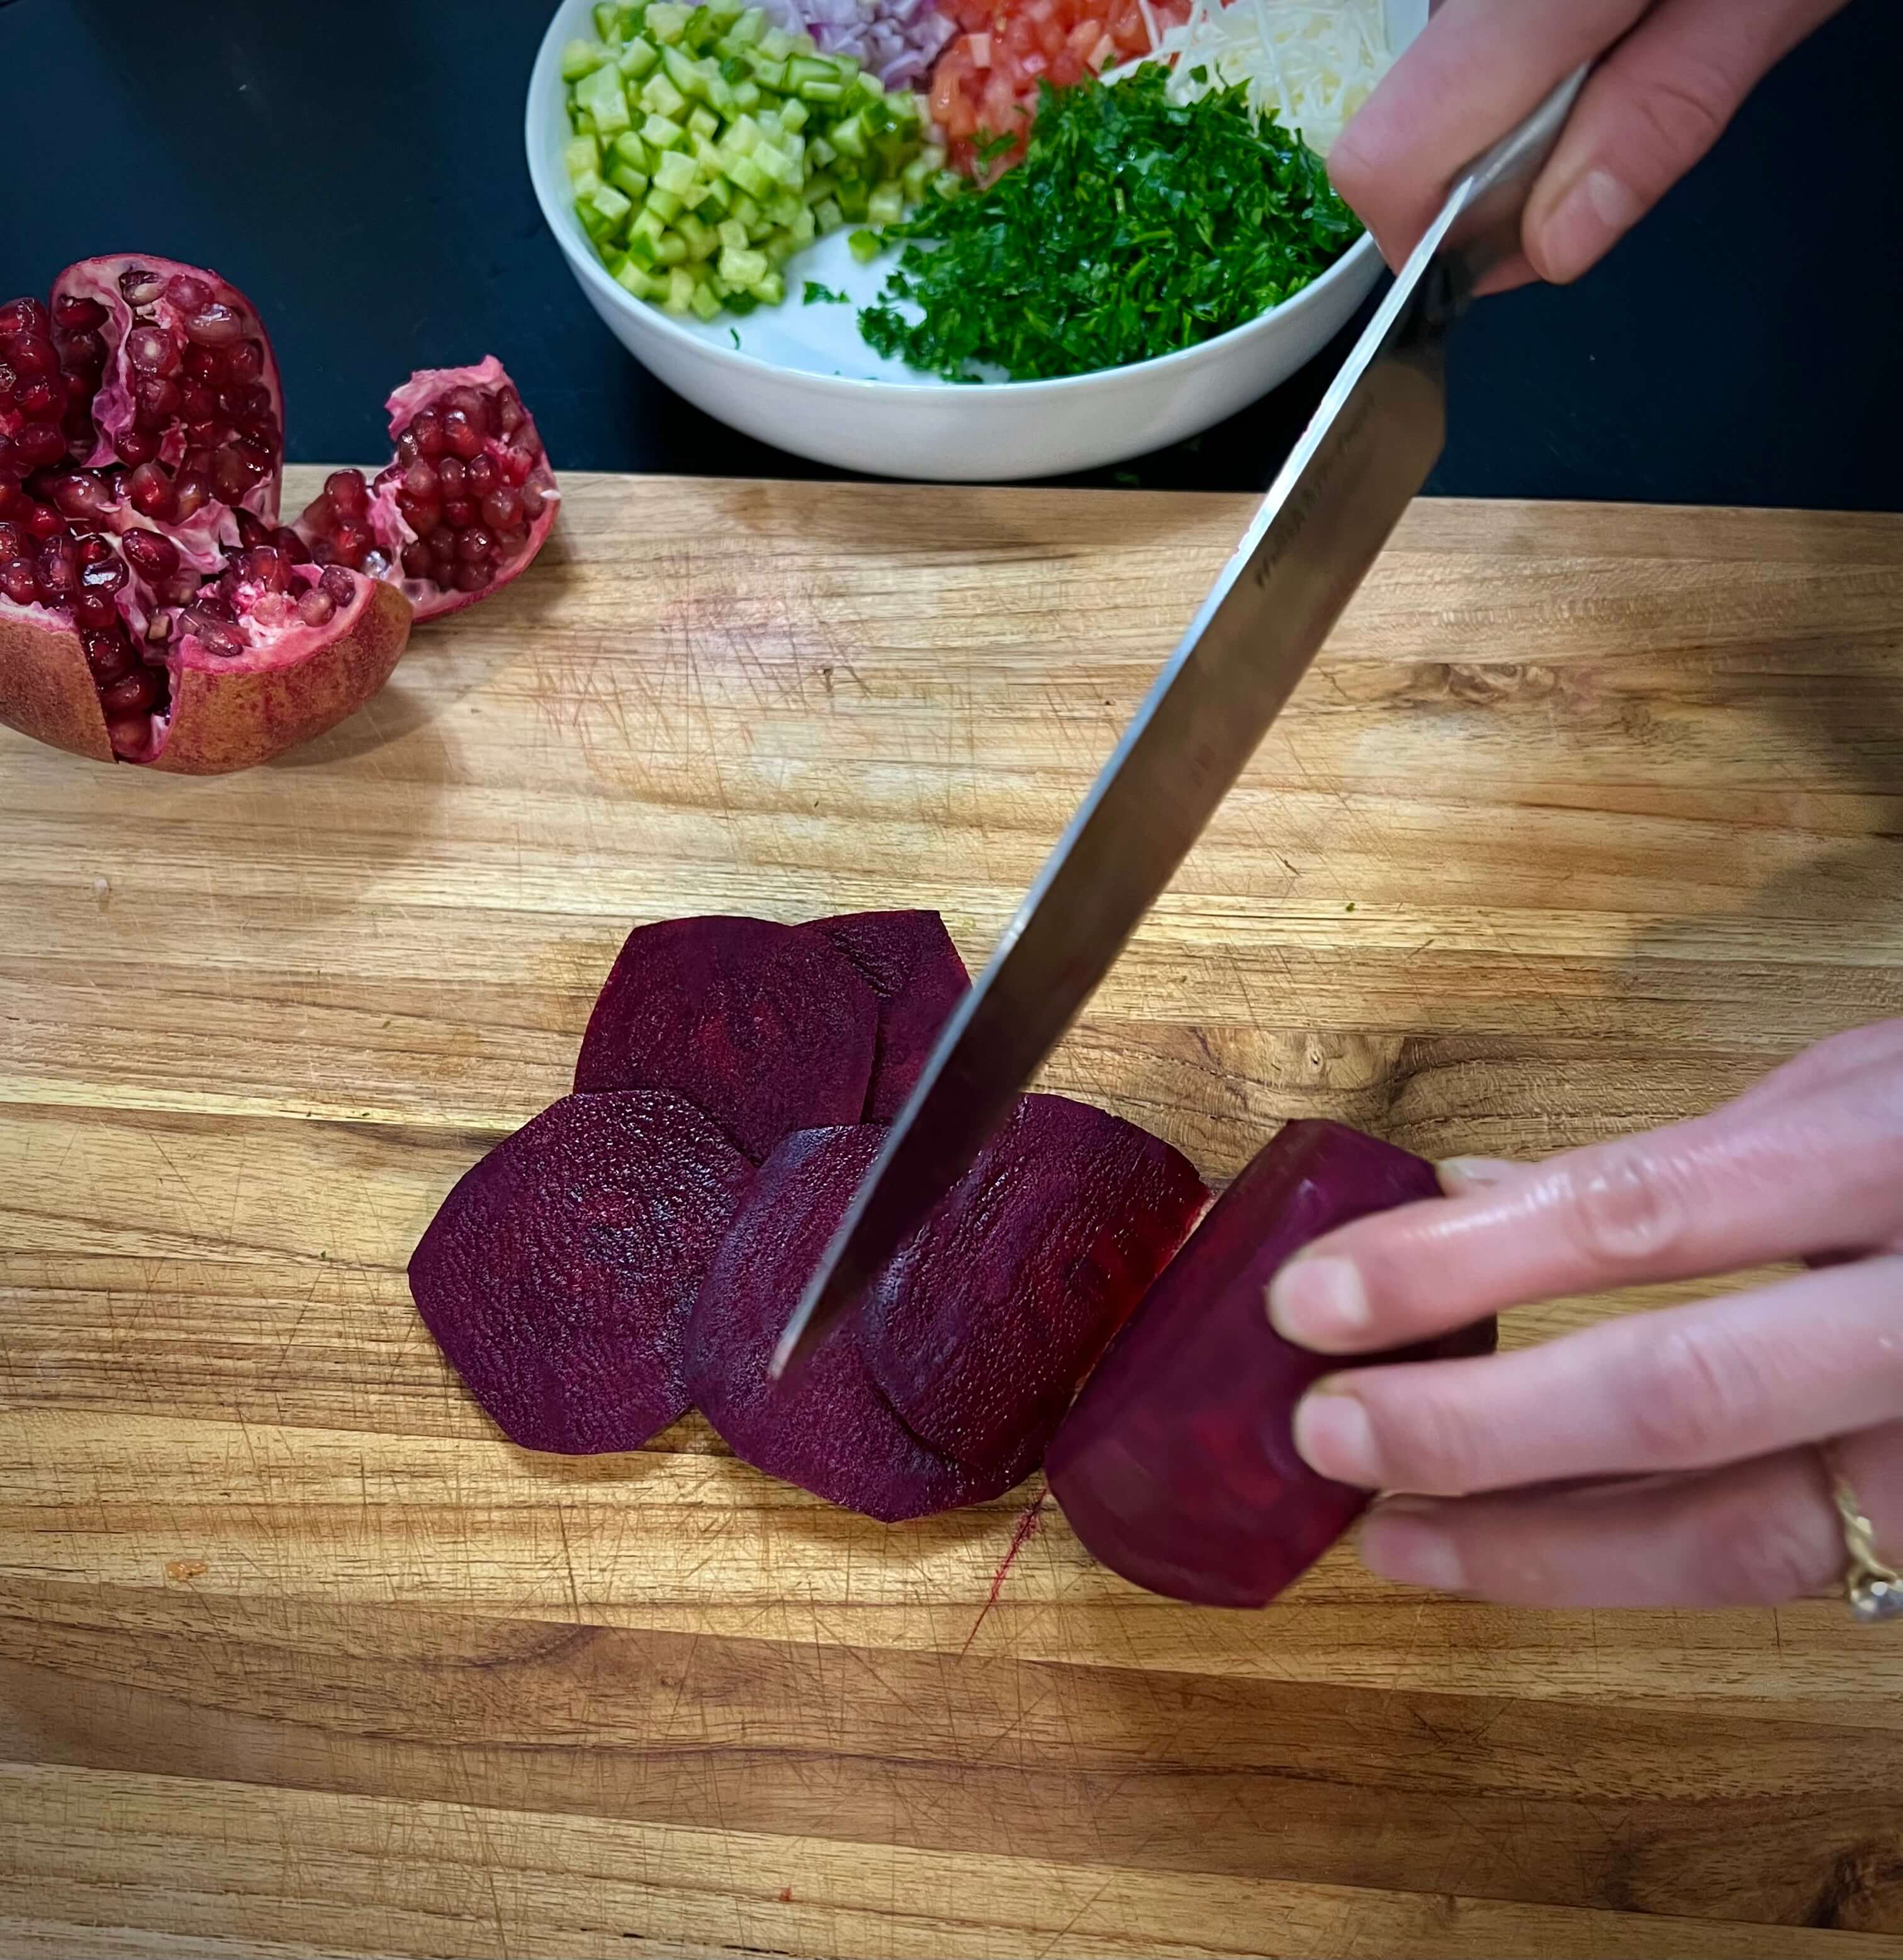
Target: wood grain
(1587, 817)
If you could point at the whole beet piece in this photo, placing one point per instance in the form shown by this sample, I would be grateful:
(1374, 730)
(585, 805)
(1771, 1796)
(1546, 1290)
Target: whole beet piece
(1176, 1466)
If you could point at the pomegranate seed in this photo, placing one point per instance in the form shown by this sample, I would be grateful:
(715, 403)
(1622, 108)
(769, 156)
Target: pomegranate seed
(158, 396)
(349, 494)
(321, 515)
(152, 492)
(43, 521)
(426, 433)
(82, 494)
(13, 543)
(419, 516)
(445, 563)
(17, 582)
(215, 326)
(132, 693)
(101, 573)
(351, 540)
(128, 734)
(453, 474)
(108, 656)
(418, 562)
(94, 608)
(38, 397)
(461, 434)
(245, 362)
(474, 544)
(71, 310)
(57, 578)
(288, 542)
(340, 586)
(153, 555)
(199, 404)
(253, 530)
(422, 484)
(192, 493)
(204, 364)
(406, 450)
(187, 293)
(533, 501)
(136, 446)
(139, 287)
(32, 354)
(26, 316)
(315, 608)
(13, 499)
(471, 403)
(82, 353)
(152, 351)
(37, 445)
(508, 412)
(472, 577)
(231, 476)
(271, 571)
(219, 637)
(484, 474)
(458, 511)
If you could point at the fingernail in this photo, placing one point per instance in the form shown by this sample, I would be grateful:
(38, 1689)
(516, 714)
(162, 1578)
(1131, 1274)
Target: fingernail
(1318, 1303)
(1461, 1174)
(1333, 1435)
(1597, 212)
(1399, 1543)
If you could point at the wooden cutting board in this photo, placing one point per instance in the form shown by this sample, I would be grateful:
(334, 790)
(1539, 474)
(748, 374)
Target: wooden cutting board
(1588, 817)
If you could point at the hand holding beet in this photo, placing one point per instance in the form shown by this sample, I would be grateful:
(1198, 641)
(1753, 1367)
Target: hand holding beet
(1685, 1441)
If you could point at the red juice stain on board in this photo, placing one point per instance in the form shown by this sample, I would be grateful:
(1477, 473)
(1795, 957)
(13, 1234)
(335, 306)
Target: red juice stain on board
(1026, 1530)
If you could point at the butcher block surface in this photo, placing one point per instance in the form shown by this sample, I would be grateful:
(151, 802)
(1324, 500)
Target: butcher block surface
(1586, 818)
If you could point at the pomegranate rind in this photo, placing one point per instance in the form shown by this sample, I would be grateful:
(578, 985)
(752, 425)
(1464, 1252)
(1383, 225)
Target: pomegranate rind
(1177, 1466)
(559, 1275)
(393, 531)
(826, 1428)
(980, 1330)
(908, 960)
(767, 1028)
(46, 691)
(233, 715)
(203, 538)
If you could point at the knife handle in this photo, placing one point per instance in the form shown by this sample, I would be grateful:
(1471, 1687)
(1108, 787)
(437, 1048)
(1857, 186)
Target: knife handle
(1488, 201)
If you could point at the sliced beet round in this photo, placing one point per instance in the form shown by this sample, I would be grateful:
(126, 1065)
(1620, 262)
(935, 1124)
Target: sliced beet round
(767, 1028)
(1177, 1467)
(980, 1328)
(826, 1427)
(558, 1275)
(908, 961)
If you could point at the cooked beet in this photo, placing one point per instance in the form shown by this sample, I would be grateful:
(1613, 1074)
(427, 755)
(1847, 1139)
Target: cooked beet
(827, 1428)
(1177, 1467)
(559, 1274)
(908, 960)
(980, 1330)
(767, 1028)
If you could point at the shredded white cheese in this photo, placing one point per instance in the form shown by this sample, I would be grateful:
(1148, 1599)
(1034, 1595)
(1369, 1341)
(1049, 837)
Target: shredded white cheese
(1312, 65)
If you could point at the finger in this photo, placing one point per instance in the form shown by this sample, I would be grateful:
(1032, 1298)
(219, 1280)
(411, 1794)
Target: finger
(1843, 1061)
(1751, 1534)
(1678, 1388)
(1748, 1185)
(1656, 105)
(1476, 69)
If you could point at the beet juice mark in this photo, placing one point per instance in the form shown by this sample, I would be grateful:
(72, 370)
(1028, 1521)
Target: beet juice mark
(1026, 1529)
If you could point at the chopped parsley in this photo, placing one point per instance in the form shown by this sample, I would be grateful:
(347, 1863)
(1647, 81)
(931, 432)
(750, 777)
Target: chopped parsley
(736, 333)
(1134, 227)
(816, 294)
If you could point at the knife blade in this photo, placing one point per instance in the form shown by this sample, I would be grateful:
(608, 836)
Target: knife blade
(1361, 461)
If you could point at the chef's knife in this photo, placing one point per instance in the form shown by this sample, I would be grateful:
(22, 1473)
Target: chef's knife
(1360, 462)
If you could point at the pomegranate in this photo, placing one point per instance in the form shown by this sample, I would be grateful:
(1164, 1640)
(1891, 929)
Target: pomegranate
(464, 505)
(152, 608)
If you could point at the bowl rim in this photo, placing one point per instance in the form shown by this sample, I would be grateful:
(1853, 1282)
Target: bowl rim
(557, 213)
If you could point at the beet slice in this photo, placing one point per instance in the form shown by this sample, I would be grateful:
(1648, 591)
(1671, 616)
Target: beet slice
(908, 960)
(980, 1328)
(767, 1028)
(1176, 1468)
(558, 1275)
(827, 1428)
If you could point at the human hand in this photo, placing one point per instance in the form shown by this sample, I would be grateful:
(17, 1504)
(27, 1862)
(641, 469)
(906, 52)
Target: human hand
(1662, 1458)
(1676, 72)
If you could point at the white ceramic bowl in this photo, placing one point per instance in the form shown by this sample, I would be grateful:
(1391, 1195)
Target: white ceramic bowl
(799, 377)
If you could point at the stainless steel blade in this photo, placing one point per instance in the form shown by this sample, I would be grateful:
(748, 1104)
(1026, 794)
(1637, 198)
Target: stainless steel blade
(1361, 461)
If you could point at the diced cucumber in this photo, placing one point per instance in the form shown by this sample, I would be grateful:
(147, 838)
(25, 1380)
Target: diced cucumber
(866, 80)
(625, 177)
(606, 13)
(852, 200)
(819, 153)
(582, 58)
(748, 28)
(744, 269)
(794, 115)
(645, 233)
(672, 250)
(658, 133)
(611, 206)
(747, 95)
(585, 186)
(695, 196)
(828, 216)
(803, 228)
(705, 304)
(744, 172)
(637, 58)
(685, 73)
(581, 121)
(864, 246)
(720, 96)
(777, 43)
(603, 96)
(583, 153)
(784, 209)
(702, 241)
(659, 96)
(704, 123)
(771, 290)
(911, 179)
(732, 234)
(932, 157)
(664, 205)
(848, 137)
(680, 281)
(667, 19)
(642, 284)
(741, 134)
(815, 80)
(674, 170)
(708, 155)
(746, 211)
(886, 206)
(629, 149)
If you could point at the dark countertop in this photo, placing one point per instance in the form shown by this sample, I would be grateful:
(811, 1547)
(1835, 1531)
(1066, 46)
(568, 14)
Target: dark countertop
(357, 169)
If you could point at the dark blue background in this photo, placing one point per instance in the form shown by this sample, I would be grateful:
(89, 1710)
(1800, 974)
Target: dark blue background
(356, 165)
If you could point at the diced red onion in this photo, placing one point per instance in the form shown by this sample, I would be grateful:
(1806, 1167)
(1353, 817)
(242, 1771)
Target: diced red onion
(897, 40)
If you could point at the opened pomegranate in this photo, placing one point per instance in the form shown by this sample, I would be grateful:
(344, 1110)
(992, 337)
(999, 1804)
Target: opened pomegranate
(463, 507)
(152, 608)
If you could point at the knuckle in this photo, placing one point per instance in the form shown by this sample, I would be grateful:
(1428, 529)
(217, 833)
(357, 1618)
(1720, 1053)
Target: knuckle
(1626, 1208)
(1692, 1399)
(1681, 109)
(1429, 1442)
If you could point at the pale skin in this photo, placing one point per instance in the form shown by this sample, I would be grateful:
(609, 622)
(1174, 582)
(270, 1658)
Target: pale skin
(1674, 1457)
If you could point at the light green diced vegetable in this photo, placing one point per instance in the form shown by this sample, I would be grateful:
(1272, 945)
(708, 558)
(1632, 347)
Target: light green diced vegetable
(870, 84)
(732, 235)
(687, 74)
(629, 149)
(666, 20)
(771, 290)
(932, 157)
(816, 81)
(583, 153)
(659, 96)
(704, 303)
(784, 209)
(585, 186)
(695, 196)
(794, 115)
(886, 206)
(828, 216)
(903, 106)
(673, 249)
(863, 245)
(777, 43)
(852, 199)
(948, 184)
(674, 170)
(747, 29)
(582, 58)
(741, 136)
(719, 200)
(803, 228)
(745, 269)
(625, 177)
(820, 186)
(708, 155)
(746, 95)
(744, 172)
(819, 153)
(747, 212)
(781, 168)
(606, 13)
(702, 241)
(911, 179)
(611, 205)
(704, 124)
(601, 95)
(637, 58)
(664, 205)
(642, 284)
(581, 121)
(658, 133)
(644, 235)
(680, 288)
(849, 138)
(767, 72)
